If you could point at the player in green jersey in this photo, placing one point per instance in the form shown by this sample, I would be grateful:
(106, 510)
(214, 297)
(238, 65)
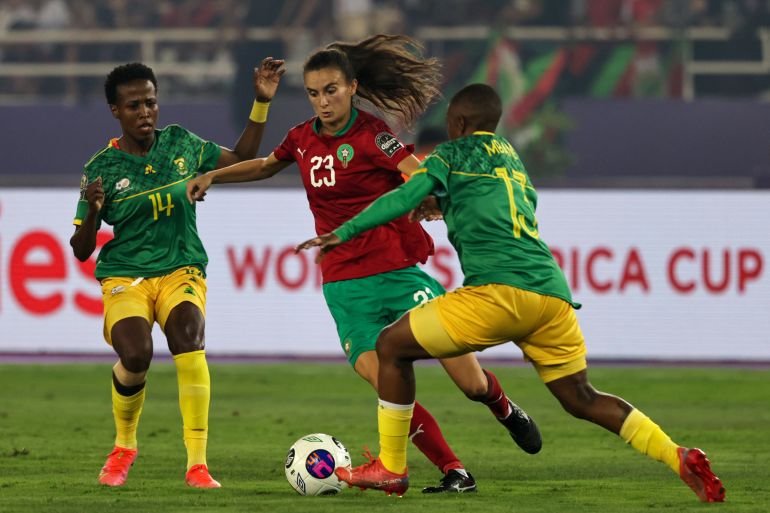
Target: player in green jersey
(153, 270)
(513, 291)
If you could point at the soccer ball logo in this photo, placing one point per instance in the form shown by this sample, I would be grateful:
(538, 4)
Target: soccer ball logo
(310, 464)
(320, 464)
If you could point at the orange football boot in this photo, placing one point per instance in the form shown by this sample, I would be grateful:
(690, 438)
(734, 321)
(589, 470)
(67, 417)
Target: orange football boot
(374, 475)
(695, 471)
(198, 477)
(115, 469)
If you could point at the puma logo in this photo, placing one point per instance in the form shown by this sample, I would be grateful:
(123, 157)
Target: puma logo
(301, 152)
(417, 431)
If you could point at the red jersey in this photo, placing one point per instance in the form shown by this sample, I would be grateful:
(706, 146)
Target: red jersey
(343, 174)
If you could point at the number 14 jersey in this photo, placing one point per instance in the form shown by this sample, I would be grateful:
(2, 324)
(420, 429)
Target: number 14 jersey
(145, 202)
(342, 174)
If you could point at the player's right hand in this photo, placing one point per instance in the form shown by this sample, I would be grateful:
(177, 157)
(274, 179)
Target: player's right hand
(266, 78)
(95, 195)
(428, 210)
(197, 187)
(326, 242)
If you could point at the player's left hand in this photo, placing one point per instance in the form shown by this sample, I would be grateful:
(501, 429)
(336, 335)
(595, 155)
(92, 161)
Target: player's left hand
(267, 77)
(428, 210)
(326, 242)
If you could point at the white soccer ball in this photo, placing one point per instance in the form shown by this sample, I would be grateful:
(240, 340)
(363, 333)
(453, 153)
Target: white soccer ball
(310, 464)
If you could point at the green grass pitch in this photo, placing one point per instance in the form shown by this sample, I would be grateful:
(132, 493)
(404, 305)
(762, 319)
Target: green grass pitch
(56, 428)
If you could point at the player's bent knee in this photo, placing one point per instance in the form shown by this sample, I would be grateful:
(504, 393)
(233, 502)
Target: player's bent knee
(192, 336)
(185, 334)
(187, 343)
(185, 326)
(137, 358)
(397, 342)
(575, 394)
(384, 347)
(389, 346)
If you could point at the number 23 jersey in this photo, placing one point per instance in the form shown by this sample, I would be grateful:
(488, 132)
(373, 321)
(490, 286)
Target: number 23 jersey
(342, 174)
(145, 202)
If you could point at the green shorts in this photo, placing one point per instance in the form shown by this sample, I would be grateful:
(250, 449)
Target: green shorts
(363, 306)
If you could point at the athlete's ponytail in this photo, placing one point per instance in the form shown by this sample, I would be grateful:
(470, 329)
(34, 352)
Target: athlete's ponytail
(392, 74)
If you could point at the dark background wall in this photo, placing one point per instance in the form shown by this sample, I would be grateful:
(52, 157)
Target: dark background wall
(722, 143)
(50, 143)
(728, 139)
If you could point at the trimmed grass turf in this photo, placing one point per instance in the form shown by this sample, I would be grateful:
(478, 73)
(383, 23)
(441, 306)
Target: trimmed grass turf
(56, 429)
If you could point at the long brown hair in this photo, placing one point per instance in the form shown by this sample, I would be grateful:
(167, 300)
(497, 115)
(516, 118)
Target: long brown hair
(391, 71)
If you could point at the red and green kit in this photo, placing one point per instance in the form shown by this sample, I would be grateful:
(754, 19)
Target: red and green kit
(342, 174)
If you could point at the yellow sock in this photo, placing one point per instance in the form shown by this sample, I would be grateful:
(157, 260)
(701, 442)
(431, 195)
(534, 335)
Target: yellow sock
(192, 373)
(393, 420)
(126, 410)
(646, 437)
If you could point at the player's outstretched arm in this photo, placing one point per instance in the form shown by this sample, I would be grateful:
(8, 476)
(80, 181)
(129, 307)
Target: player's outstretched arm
(384, 209)
(389, 206)
(246, 171)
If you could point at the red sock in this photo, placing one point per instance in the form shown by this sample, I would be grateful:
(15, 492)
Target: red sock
(496, 400)
(426, 435)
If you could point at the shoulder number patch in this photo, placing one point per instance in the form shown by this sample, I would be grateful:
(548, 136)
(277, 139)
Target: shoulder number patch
(388, 143)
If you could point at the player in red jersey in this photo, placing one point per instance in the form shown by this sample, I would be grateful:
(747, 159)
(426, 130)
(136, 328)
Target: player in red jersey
(347, 158)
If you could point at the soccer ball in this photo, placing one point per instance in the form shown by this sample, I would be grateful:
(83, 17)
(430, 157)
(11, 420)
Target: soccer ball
(310, 464)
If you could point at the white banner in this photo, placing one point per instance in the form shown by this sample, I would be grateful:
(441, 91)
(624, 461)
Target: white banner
(661, 275)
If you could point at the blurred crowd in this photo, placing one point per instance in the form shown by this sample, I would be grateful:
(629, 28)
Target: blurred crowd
(299, 26)
(363, 16)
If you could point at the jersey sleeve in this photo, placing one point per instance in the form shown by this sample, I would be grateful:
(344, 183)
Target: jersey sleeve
(207, 152)
(389, 151)
(209, 156)
(436, 165)
(285, 150)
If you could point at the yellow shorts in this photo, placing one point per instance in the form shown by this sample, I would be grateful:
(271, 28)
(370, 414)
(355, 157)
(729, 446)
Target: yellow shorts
(474, 318)
(151, 298)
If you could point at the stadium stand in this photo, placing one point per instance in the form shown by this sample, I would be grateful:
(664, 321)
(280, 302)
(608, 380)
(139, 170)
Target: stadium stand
(582, 81)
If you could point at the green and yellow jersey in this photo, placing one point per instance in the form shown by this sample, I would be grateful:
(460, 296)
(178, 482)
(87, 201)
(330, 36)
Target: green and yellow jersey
(145, 201)
(488, 204)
